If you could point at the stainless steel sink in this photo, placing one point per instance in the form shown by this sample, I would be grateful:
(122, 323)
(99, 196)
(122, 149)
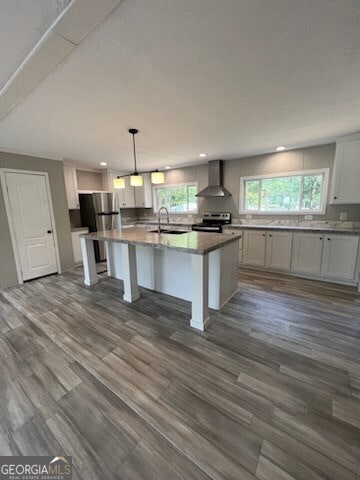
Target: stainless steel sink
(169, 232)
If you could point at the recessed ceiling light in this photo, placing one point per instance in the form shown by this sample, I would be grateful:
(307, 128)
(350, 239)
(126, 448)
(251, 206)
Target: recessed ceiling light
(202, 155)
(103, 164)
(280, 149)
(167, 168)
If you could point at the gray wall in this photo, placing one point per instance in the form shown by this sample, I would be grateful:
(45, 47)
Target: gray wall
(54, 168)
(302, 159)
(89, 180)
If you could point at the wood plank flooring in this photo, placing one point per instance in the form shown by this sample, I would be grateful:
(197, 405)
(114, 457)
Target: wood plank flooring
(271, 391)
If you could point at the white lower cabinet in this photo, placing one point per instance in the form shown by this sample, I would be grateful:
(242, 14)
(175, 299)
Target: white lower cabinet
(339, 256)
(254, 248)
(269, 249)
(330, 257)
(307, 253)
(278, 250)
(76, 244)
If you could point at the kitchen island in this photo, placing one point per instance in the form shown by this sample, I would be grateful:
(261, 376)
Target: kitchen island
(195, 266)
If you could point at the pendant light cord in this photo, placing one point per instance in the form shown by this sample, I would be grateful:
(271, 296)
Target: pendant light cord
(133, 135)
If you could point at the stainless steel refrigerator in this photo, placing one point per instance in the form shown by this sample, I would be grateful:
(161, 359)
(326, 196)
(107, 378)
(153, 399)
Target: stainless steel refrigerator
(99, 211)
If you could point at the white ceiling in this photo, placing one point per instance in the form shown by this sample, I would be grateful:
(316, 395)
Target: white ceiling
(228, 77)
(22, 24)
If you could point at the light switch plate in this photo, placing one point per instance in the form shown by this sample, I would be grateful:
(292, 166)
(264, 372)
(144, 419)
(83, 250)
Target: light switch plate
(343, 216)
(309, 217)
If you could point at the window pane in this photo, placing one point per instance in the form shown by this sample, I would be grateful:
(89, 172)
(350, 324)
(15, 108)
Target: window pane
(161, 197)
(177, 199)
(312, 192)
(192, 199)
(281, 194)
(252, 189)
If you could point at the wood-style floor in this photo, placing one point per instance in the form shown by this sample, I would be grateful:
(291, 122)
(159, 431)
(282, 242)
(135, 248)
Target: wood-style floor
(271, 391)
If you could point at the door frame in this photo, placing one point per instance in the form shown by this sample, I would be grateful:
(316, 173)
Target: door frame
(3, 182)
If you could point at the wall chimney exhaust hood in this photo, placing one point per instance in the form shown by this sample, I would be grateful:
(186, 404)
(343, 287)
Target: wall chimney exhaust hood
(215, 188)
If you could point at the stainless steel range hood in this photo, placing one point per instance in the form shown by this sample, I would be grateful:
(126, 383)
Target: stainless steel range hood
(215, 188)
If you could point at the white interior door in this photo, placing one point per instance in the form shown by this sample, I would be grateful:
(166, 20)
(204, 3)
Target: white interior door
(30, 211)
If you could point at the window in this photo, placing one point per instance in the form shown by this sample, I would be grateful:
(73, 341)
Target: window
(295, 192)
(179, 198)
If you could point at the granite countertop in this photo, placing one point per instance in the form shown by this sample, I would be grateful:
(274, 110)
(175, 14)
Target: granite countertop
(154, 222)
(290, 228)
(199, 243)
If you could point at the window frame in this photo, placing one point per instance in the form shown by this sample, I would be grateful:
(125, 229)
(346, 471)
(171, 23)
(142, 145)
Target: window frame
(172, 185)
(324, 196)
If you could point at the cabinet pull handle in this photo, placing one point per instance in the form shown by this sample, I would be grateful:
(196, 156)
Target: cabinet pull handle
(335, 198)
(269, 234)
(264, 235)
(320, 238)
(328, 239)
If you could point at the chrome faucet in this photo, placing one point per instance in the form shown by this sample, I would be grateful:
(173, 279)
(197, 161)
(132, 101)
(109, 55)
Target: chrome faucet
(159, 217)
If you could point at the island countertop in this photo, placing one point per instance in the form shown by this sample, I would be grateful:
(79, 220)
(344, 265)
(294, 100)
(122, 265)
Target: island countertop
(198, 243)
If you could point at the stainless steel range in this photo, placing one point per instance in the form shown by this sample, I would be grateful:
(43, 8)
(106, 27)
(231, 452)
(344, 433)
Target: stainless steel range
(212, 222)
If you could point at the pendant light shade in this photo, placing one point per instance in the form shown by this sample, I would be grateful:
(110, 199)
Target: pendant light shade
(157, 177)
(119, 182)
(136, 180)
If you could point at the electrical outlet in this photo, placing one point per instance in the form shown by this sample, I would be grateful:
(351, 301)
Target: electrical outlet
(248, 216)
(343, 216)
(309, 217)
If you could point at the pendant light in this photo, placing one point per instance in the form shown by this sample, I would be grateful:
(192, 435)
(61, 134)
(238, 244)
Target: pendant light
(157, 177)
(119, 182)
(136, 180)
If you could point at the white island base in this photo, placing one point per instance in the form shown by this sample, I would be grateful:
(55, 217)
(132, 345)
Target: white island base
(207, 280)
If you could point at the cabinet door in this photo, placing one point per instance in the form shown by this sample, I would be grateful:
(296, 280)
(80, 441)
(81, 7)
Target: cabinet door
(127, 195)
(71, 187)
(254, 248)
(340, 254)
(278, 250)
(307, 253)
(76, 247)
(143, 195)
(345, 184)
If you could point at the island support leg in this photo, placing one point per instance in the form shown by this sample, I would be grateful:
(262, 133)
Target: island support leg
(88, 255)
(128, 256)
(200, 291)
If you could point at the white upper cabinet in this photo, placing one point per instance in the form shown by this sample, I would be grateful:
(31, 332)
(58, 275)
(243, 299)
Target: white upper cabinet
(345, 183)
(127, 195)
(339, 256)
(307, 253)
(254, 248)
(143, 195)
(130, 197)
(71, 187)
(278, 250)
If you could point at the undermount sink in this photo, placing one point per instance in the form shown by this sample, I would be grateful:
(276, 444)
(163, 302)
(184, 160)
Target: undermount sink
(169, 232)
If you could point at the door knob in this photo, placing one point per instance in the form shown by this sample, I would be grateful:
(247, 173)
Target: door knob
(49, 231)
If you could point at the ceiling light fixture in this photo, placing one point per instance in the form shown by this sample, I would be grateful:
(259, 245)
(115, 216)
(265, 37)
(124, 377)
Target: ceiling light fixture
(157, 177)
(202, 155)
(103, 164)
(119, 182)
(280, 149)
(136, 180)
